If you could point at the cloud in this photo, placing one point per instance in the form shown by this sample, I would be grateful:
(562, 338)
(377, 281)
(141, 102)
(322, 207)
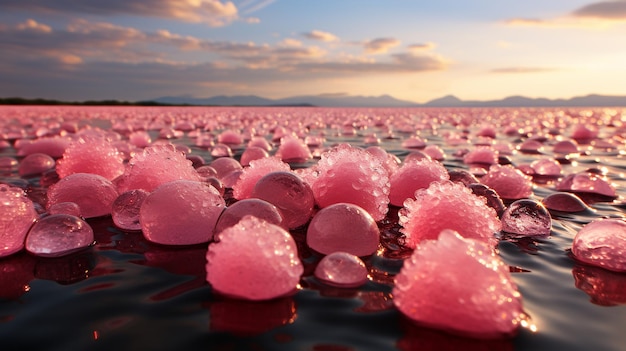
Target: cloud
(32, 25)
(595, 15)
(603, 10)
(522, 70)
(421, 47)
(211, 12)
(248, 7)
(320, 36)
(380, 45)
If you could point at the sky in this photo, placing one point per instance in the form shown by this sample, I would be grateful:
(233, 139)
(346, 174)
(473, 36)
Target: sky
(414, 50)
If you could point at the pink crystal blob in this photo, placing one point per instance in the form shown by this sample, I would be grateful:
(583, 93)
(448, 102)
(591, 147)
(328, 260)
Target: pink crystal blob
(93, 193)
(343, 227)
(249, 207)
(602, 243)
(18, 214)
(91, 155)
(459, 285)
(59, 235)
(253, 260)
(508, 182)
(342, 270)
(414, 175)
(181, 212)
(526, 217)
(255, 171)
(125, 209)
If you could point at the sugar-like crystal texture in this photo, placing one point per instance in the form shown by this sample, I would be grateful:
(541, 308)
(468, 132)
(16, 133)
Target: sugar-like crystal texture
(255, 171)
(93, 193)
(414, 175)
(481, 155)
(526, 217)
(18, 214)
(181, 212)
(249, 207)
(59, 235)
(342, 270)
(125, 209)
(509, 182)
(447, 205)
(253, 260)
(352, 175)
(343, 227)
(564, 202)
(459, 285)
(602, 243)
(91, 154)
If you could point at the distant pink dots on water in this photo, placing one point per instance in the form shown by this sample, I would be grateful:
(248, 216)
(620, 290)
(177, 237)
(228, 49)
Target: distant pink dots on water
(481, 155)
(447, 205)
(602, 243)
(253, 260)
(257, 169)
(293, 149)
(251, 154)
(564, 202)
(289, 193)
(343, 227)
(59, 235)
(587, 182)
(341, 269)
(181, 212)
(69, 208)
(249, 207)
(125, 209)
(18, 214)
(487, 131)
(35, 164)
(93, 193)
(530, 146)
(414, 142)
(526, 217)
(414, 175)
(509, 182)
(584, 133)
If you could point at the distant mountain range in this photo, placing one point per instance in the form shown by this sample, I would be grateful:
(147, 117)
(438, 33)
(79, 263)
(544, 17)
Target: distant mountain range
(345, 100)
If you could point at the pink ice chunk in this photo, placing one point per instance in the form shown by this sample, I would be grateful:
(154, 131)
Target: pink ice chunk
(352, 175)
(293, 149)
(584, 133)
(547, 167)
(260, 142)
(341, 269)
(413, 176)
(487, 131)
(140, 138)
(509, 182)
(565, 147)
(221, 150)
(35, 164)
(459, 285)
(253, 260)
(91, 155)
(435, 152)
(125, 209)
(390, 162)
(602, 243)
(156, 165)
(18, 214)
(94, 194)
(69, 208)
(251, 154)
(343, 227)
(447, 205)
(413, 142)
(249, 207)
(289, 193)
(481, 155)
(223, 166)
(526, 217)
(530, 146)
(54, 147)
(59, 235)
(181, 212)
(230, 137)
(587, 182)
(564, 202)
(255, 171)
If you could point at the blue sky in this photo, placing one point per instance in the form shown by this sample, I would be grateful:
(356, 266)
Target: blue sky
(412, 50)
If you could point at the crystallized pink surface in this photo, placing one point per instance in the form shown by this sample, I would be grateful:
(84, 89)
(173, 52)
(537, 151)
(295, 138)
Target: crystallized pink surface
(586, 182)
(352, 175)
(59, 235)
(343, 227)
(18, 214)
(94, 155)
(249, 207)
(414, 175)
(157, 164)
(293, 149)
(481, 155)
(447, 205)
(509, 182)
(341, 269)
(93, 193)
(459, 285)
(602, 243)
(253, 260)
(255, 171)
(181, 212)
(526, 217)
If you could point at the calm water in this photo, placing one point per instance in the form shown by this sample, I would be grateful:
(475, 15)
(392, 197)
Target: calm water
(126, 294)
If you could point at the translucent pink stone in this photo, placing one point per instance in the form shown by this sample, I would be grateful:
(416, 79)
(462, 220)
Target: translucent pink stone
(462, 176)
(156, 165)
(249, 207)
(584, 133)
(435, 152)
(447, 205)
(35, 164)
(289, 193)
(493, 199)
(230, 137)
(487, 131)
(564, 202)
(224, 166)
(413, 176)
(181, 212)
(206, 172)
(94, 194)
(91, 155)
(530, 146)
(255, 171)
(341, 269)
(587, 182)
(481, 155)
(221, 150)
(565, 147)
(8, 163)
(140, 139)
(413, 142)
(18, 214)
(509, 182)
(59, 235)
(69, 208)
(125, 209)
(251, 154)
(526, 217)
(459, 285)
(343, 227)
(547, 167)
(253, 260)
(260, 142)
(352, 175)
(54, 147)
(602, 243)
(293, 149)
